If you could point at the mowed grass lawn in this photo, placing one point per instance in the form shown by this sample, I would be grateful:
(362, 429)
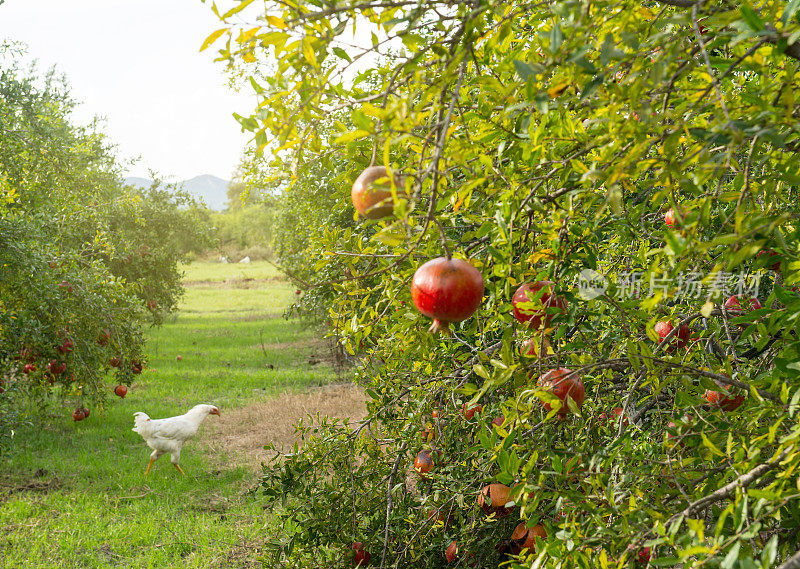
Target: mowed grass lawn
(75, 494)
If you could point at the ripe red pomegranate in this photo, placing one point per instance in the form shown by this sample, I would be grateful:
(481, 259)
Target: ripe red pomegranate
(742, 303)
(29, 368)
(562, 383)
(423, 463)
(447, 291)
(451, 552)
(525, 538)
(136, 367)
(644, 555)
(361, 555)
(679, 340)
(669, 217)
(616, 413)
(78, 415)
(85, 412)
(723, 400)
(115, 362)
(531, 302)
(470, 413)
(493, 499)
(372, 192)
(121, 391)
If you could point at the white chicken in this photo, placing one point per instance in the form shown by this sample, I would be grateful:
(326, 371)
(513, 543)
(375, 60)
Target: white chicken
(168, 435)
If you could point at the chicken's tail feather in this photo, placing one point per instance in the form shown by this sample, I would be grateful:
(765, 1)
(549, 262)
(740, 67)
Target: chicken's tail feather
(139, 421)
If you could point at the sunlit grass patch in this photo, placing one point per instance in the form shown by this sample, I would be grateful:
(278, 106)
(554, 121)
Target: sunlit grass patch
(213, 271)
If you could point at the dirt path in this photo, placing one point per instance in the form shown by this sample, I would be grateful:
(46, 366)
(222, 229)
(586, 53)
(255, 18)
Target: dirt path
(242, 433)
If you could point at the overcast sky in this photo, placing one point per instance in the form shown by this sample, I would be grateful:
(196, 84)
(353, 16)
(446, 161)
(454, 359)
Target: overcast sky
(136, 63)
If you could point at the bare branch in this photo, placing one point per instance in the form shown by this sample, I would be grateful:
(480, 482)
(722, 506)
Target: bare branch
(729, 489)
(400, 455)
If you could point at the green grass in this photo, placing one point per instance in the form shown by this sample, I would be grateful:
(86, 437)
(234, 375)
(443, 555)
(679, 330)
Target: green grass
(220, 272)
(89, 505)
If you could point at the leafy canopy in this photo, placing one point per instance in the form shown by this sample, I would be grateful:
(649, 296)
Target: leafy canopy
(541, 141)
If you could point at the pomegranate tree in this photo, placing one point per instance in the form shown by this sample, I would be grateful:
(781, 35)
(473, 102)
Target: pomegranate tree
(531, 302)
(447, 290)
(372, 192)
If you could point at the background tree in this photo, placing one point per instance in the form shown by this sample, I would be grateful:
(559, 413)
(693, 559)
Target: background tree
(86, 262)
(546, 141)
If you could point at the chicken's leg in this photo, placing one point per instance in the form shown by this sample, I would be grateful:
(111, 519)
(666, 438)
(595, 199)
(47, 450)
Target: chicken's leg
(178, 466)
(149, 465)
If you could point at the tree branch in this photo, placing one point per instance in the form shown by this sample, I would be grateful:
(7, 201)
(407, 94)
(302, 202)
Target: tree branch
(400, 456)
(792, 563)
(729, 489)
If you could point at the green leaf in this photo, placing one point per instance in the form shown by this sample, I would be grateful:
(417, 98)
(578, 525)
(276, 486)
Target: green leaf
(730, 560)
(392, 235)
(542, 103)
(580, 60)
(789, 11)
(351, 136)
(236, 9)
(308, 52)
(212, 38)
(342, 54)
(523, 69)
(711, 446)
(770, 553)
(752, 19)
(556, 38)
(480, 371)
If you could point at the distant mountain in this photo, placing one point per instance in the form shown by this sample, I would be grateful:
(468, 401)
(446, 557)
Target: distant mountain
(212, 190)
